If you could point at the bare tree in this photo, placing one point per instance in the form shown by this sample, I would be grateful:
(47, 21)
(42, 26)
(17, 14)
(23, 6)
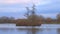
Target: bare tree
(32, 17)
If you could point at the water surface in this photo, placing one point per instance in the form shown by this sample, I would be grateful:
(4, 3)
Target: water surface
(44, 29)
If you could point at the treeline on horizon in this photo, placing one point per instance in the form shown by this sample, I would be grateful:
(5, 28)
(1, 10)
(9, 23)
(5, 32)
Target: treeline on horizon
(41, 19)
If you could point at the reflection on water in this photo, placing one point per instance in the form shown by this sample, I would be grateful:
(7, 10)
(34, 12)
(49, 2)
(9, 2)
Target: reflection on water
(43, 29)
(7, 31)
(58, 30)
(29, 31)
(33, 31)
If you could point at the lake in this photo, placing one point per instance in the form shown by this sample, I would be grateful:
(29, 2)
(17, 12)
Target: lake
(43, 29)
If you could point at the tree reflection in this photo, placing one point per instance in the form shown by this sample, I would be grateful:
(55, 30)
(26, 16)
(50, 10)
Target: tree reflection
(58, 30)
(32, 30)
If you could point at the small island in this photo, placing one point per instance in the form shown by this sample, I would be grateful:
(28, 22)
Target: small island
(32, 19)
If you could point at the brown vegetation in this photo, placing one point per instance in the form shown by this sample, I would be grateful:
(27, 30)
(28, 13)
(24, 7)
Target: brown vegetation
(26, 22)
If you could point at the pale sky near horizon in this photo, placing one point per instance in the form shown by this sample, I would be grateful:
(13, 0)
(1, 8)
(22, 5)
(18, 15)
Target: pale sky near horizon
(16, 8)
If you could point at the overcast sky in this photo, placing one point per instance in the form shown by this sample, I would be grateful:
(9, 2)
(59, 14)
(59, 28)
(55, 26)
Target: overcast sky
(16, 8)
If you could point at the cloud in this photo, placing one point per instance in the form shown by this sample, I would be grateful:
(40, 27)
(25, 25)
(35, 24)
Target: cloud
(16, 5)
(12, 10)
(14, 1)
(37, 2)
(13, 5)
